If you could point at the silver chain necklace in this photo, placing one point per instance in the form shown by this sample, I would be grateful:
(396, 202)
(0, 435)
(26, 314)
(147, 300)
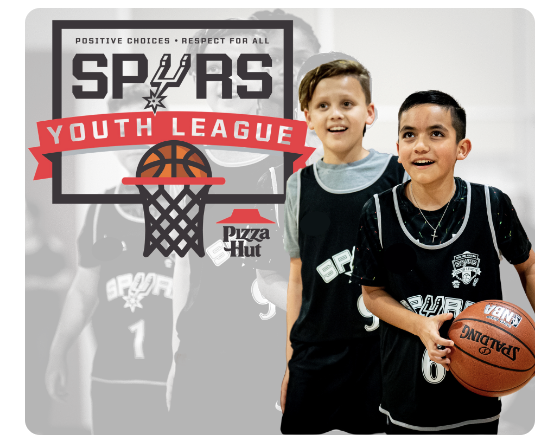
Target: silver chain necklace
(420, 209)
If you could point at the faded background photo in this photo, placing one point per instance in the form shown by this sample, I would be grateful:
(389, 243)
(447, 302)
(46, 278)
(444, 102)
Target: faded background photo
(490, 70)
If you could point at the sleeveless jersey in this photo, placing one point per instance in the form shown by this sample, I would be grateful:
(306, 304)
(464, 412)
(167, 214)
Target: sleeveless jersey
(418, 393)
(229, 361)
(133, 320)
(332, 308)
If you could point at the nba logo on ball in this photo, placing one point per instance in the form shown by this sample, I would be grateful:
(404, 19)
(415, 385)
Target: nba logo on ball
(503, 315)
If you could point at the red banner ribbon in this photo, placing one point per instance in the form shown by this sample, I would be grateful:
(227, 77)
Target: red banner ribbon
(199, 128)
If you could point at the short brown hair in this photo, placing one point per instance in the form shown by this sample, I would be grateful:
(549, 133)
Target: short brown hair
(334, 68)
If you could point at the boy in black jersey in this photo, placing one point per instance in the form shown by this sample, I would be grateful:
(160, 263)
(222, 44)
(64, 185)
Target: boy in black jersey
(332, 379)
(408, 239)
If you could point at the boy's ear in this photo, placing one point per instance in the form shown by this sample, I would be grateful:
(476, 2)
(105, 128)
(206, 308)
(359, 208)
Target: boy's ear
(370, 108)
(399, 153)
(308, 119)
(463, 150)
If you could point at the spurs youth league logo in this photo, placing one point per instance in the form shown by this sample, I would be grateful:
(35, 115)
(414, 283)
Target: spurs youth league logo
(465, 268)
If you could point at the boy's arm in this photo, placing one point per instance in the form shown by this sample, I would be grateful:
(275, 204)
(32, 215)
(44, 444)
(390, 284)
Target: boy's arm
(294, 300)
(271, 277)
(512, 240)
(78, 308)
(181, 291)
(526, 271)
(380, 303)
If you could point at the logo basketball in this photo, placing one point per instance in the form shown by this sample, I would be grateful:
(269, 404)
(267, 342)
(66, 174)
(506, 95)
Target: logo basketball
(465, 268)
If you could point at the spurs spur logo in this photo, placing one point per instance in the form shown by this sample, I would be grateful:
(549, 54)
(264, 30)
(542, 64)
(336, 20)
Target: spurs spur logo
(162, 81)
(465, 269)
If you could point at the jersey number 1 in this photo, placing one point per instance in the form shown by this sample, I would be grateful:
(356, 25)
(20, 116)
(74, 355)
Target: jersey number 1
(139, 331)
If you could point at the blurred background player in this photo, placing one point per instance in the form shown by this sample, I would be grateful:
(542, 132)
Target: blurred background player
(128, 298)
(47, 278)
(221, 327)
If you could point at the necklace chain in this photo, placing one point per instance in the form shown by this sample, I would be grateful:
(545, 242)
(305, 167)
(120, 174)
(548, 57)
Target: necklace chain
(420, 209)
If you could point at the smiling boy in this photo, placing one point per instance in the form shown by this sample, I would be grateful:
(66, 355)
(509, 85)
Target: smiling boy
(408, 239)
(332, 378)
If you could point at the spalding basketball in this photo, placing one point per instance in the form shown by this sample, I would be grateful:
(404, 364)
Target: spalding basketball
(494, 348)
(173, 159)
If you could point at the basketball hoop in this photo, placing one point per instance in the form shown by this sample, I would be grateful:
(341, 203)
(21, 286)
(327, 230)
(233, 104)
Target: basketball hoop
(173, 222)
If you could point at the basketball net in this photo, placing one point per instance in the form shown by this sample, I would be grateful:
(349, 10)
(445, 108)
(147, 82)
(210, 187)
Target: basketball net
(174, 223)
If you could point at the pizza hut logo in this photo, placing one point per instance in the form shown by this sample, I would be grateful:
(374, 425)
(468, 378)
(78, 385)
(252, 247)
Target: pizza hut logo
(465, 267)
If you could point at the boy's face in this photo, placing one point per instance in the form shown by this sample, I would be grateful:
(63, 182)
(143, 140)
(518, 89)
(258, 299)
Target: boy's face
(338, 112)
(427, 144)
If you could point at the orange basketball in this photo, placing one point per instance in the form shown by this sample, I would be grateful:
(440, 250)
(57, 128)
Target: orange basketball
(173, 159)
(494, 348)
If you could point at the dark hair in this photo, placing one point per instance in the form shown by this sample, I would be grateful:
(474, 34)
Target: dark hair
(198, 48)
(334, 68)
(457, 113)
(133, 94)
(298, 22)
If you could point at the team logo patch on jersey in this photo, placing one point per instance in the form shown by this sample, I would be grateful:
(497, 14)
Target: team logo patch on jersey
(465, 269)
(132, 301)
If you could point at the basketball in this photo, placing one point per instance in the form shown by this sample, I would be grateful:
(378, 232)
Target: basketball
(173, 159)
(494, 348)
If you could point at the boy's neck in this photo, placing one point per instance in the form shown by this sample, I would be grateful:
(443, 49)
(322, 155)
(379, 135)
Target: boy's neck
(331, 157)
(431, 196)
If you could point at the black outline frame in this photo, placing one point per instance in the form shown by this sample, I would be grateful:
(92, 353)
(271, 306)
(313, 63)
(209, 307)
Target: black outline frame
(56, 158)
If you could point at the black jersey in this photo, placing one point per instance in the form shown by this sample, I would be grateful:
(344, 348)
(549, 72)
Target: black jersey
(446, 278)
(133, 320)
(332, 308)
(229, 361)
